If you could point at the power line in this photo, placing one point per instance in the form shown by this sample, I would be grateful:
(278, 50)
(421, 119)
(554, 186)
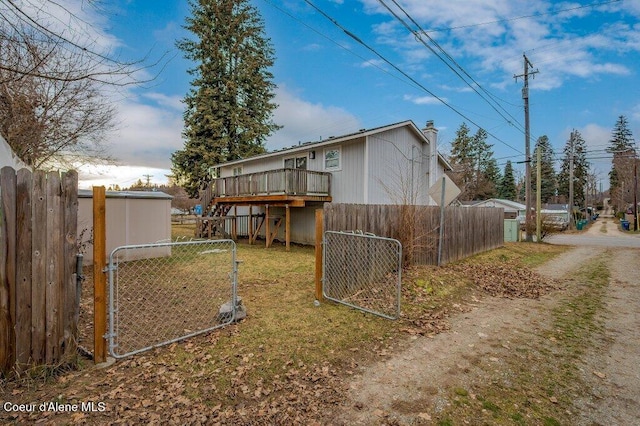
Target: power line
(418, 84)
(418, 35)
(534, 15)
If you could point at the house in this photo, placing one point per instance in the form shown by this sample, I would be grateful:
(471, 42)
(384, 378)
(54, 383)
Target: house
(8, 157)
(392, 164)
(512, 209)
(131, 217)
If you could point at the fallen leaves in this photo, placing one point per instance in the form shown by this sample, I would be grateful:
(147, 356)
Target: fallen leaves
(506, 279)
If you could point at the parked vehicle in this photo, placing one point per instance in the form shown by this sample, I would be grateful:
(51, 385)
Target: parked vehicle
(555, 222)
(552, 222)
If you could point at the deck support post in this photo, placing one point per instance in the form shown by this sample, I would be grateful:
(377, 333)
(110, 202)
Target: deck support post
(287, 227)
(250, 225)
(234, 224)
(267, 231)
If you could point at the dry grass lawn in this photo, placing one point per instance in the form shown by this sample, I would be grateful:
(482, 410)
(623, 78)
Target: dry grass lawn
(288, 362)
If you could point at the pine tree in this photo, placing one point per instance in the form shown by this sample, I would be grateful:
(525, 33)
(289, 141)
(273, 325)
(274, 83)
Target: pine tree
(621, 174)
(493, 178)
(462, 160)
(476, 172)
(580, 168)
(507, 189)
(487, 173)
(229, 107)
(621, 137)
(547, 171)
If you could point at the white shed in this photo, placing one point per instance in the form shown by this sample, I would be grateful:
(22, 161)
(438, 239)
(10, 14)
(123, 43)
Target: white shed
(132, 217)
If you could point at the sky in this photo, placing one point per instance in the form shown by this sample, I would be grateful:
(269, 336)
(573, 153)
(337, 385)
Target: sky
(344, 65)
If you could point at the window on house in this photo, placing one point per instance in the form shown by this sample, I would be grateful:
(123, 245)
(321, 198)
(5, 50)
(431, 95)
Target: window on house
(237, 171)
(296, 163)
(332, 159)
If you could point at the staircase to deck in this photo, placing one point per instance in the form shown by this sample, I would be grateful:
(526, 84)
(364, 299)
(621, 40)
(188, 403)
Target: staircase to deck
(281, 187)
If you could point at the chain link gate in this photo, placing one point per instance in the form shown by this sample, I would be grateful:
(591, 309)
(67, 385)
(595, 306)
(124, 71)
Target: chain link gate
(363, 271)
(165, 292)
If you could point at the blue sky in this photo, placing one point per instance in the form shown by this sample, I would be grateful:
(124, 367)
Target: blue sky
(587, 54)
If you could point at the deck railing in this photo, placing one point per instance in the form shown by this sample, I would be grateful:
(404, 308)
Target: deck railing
(271, 182)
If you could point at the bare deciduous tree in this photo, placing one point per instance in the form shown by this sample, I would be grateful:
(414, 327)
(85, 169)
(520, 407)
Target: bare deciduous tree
(54, 76)
(48, 120)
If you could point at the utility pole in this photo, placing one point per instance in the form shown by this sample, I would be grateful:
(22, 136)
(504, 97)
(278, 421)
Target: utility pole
(538, 194)
(527, 181)
(571, 218)
(635, 191)
(148, 179)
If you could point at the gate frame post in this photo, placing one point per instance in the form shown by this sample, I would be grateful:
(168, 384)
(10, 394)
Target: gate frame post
(318, 252)
(99, 278)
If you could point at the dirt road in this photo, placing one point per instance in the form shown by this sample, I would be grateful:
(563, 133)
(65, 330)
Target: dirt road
(410, 387)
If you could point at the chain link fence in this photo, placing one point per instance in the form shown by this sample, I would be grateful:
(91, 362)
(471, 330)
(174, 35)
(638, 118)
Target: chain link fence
(363, 271)
(162, 293)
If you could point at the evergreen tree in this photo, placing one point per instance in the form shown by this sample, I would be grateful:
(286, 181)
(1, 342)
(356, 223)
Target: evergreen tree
(493, 178)
(547, 171)
(621, 176)
(462, 160)
(487, 173)
(229, 107)
(621, 137)
(475, 171)
(580, 168)
(507, 189)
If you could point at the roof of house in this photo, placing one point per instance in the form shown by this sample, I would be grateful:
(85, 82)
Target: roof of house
(508, 203)
(151, 195)
(304, 146)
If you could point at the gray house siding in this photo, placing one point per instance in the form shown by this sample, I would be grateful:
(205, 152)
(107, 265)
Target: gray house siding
(272, 163)
(375, 167)
(303, 222)
(347, 183)
(394, 157)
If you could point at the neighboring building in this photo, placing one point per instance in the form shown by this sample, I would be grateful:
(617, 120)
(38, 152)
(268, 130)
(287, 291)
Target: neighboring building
(393, 164)
(512, 209)
(132, 217)
(8, 157)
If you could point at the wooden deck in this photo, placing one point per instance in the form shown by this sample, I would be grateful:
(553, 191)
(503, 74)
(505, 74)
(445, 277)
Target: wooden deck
(288, 188)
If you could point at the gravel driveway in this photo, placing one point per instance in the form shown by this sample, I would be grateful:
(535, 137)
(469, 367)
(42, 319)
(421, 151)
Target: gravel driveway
(408, 387)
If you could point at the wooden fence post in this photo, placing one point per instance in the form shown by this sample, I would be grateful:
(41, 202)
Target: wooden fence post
(24, 268)
(8, 284)
(5, 317)
(38, 264)
(54, 270)
(318, 277)
(99, 278)
(70, 280)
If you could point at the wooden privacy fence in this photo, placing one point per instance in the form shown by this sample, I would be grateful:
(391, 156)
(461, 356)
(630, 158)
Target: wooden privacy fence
(467, 231)
(38, 305)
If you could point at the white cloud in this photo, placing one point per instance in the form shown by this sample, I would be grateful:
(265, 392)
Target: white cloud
(143, 144)
(123, 176)
(312, 47)
(305, 121)
(423, 100)
(147, 136)
(150, 133)
(377, 63)
(491, 36)
(173, 102)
